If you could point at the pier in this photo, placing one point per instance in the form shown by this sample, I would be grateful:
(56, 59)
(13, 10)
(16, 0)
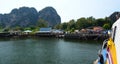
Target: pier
(86, 36)
(59, 35)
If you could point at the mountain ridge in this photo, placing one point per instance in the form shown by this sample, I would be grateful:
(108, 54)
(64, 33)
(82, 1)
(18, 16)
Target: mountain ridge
(28, 16)
(114, 16)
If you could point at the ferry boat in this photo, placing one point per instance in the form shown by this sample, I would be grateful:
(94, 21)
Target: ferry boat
(110, 52)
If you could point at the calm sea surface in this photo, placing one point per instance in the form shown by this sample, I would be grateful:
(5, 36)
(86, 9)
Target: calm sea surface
(47, 51)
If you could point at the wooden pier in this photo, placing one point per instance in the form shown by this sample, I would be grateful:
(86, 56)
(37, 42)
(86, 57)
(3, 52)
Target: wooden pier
(57, 35)
(86, 36)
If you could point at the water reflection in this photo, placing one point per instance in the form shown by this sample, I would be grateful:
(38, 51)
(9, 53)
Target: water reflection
(47, 51)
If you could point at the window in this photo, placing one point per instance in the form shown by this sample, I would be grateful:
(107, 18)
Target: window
(114, 33)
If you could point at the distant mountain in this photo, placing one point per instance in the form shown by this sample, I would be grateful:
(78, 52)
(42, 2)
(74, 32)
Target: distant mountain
(114, 16)
(50, 14)
(25, 17)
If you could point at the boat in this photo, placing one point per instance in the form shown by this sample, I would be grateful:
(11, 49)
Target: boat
(110, 51)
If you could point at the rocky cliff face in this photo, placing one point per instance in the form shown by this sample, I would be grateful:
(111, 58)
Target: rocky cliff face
(25, 17)
(114, 16)
(50, 14)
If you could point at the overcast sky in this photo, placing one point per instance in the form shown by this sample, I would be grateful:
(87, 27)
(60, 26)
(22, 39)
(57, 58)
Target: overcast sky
(67, 9)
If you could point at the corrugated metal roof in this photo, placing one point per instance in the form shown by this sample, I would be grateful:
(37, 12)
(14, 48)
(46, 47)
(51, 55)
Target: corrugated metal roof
(45, 29)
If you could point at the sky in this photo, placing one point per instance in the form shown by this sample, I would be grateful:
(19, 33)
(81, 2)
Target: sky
(67, 9)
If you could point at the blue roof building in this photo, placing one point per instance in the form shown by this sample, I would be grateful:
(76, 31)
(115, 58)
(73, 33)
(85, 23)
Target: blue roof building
(45, 29)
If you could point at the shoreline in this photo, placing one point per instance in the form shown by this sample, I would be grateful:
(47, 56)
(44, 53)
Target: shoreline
(56, 35)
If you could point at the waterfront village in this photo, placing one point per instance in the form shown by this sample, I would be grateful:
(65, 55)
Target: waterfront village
(95, 33)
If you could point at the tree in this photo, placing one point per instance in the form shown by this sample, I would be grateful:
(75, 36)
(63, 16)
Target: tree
(32, 28)
(108, 21)
(6, 30)
(72, 30)
(91, 21)
(27, 28)
(42, 23)
(16, 28)
(64, 26)
(100, 22)
(81, 23)
(58, 26)
(71, 24)
(106, 26)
